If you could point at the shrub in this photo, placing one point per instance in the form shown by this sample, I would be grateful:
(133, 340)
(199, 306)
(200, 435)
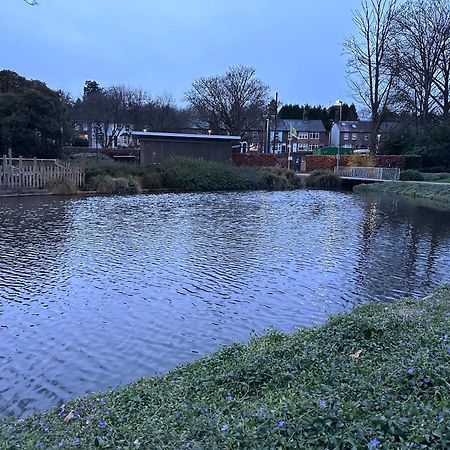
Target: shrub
(106, 184)
(62, 186)
(411, 175)
(359, 160)
(152, 180)
(323, 179)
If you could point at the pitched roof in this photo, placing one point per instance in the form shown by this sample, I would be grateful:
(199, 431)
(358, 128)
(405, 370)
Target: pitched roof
(354, 126)
(300, 125)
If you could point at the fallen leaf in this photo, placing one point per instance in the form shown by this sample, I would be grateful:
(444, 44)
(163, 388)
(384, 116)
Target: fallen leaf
(69, 416)
(356, 355)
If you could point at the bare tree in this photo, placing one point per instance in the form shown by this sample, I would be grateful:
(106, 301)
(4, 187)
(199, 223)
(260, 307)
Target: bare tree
(234, 101)
(371, 74)
(31, 2)
(423, 54)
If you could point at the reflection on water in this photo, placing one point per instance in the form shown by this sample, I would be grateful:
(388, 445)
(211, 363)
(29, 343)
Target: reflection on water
(99, 291)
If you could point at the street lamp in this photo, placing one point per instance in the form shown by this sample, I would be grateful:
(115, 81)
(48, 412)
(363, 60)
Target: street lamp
(339, 103)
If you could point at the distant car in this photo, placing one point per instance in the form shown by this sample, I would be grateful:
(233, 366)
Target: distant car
(361, 151)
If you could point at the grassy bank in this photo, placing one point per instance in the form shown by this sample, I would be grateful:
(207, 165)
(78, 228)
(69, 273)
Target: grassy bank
(375, 378)
(187, 175)
(436, 193)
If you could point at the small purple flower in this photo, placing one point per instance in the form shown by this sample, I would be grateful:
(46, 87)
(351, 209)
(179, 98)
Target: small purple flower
(76, 442)
(224, 427)
(426, 380)
(448, 350)
(10, 426)
(228, 398)
(62, 409)
(177, 414)
(323, 403)
(101, 402)
(211, 419)
(102, 424)
(281, 424)
(411, 371)
(374, 443)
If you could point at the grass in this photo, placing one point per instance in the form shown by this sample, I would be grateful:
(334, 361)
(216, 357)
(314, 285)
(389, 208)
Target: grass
(442, 177)
(437, 193)
(376, 378)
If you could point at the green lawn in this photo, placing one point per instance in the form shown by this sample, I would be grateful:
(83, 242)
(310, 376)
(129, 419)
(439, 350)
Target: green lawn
(377, 378)
(411, 189)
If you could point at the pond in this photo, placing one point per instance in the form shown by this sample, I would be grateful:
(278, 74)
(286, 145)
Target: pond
(100, 291)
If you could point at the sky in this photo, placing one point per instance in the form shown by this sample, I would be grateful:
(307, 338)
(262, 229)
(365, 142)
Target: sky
(162, 46)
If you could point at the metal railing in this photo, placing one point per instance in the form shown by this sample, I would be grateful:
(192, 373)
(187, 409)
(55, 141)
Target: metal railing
(372, 173)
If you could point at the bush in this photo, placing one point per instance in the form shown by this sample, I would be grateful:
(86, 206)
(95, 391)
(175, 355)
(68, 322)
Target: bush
(62, 186)
(411, 175)
(106, 184)
(360, 160)
(323, 179)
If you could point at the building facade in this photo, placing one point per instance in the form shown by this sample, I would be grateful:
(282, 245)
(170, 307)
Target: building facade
(350, 134)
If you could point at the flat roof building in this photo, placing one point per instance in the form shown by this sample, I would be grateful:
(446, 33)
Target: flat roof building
(156, 147)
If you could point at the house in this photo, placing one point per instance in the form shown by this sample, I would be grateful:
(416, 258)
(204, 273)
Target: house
(101, 135)
(311, 134)
(350, 134)
(156, 147)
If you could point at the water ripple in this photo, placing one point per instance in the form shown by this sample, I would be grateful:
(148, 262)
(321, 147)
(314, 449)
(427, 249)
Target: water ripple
(100, 291)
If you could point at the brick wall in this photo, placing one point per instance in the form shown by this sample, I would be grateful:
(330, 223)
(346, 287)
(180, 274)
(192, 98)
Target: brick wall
(259, 160)
(329, 162)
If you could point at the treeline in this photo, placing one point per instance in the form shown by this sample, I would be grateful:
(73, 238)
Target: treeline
(399, 68)
(328, 115)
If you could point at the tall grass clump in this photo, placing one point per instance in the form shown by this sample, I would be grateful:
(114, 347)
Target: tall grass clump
(106, 184)
(323, 179)
(62, 186)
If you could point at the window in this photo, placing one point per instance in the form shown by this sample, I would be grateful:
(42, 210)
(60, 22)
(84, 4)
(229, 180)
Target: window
(346, 137)
(85, 126)
(353, 136)
(302, 147)
(302, 135)
(314, 135)
(366, 137)
(255, 135)
(313, 146)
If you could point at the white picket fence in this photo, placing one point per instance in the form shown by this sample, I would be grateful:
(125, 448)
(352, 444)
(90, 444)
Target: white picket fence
(17, 173)
(370, 173)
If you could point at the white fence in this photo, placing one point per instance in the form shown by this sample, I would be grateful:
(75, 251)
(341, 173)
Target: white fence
(372, 173)
(21, 172)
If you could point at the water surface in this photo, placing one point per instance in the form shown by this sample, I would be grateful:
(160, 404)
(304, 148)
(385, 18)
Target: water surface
(100, 291)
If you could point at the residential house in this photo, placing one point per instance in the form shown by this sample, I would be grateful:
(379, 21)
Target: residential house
(111, 135)
(311, 134)
(350, 134)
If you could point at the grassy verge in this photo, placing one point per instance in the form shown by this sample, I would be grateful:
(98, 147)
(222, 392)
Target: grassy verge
(188, 175)
(436, 193)
(375, 378)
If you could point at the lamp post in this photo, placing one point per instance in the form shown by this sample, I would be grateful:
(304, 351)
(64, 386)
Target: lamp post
(339, 102)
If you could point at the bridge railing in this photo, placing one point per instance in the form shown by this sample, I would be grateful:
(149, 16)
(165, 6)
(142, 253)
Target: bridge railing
(373, 173)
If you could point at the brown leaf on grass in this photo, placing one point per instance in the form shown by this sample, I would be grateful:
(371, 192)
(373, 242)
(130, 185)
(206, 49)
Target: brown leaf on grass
(356, 355)
(69, 416)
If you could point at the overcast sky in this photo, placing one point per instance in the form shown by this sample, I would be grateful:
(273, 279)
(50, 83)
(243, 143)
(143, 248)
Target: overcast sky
(163, 45)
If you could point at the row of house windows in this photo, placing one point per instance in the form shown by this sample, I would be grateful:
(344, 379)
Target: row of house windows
(346, 137)
(304, 147)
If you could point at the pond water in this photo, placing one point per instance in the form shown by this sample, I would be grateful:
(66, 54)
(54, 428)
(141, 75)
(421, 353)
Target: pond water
(96, 292)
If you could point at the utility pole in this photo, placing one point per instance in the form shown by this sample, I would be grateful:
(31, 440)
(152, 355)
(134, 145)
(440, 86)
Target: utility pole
(275, 123)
